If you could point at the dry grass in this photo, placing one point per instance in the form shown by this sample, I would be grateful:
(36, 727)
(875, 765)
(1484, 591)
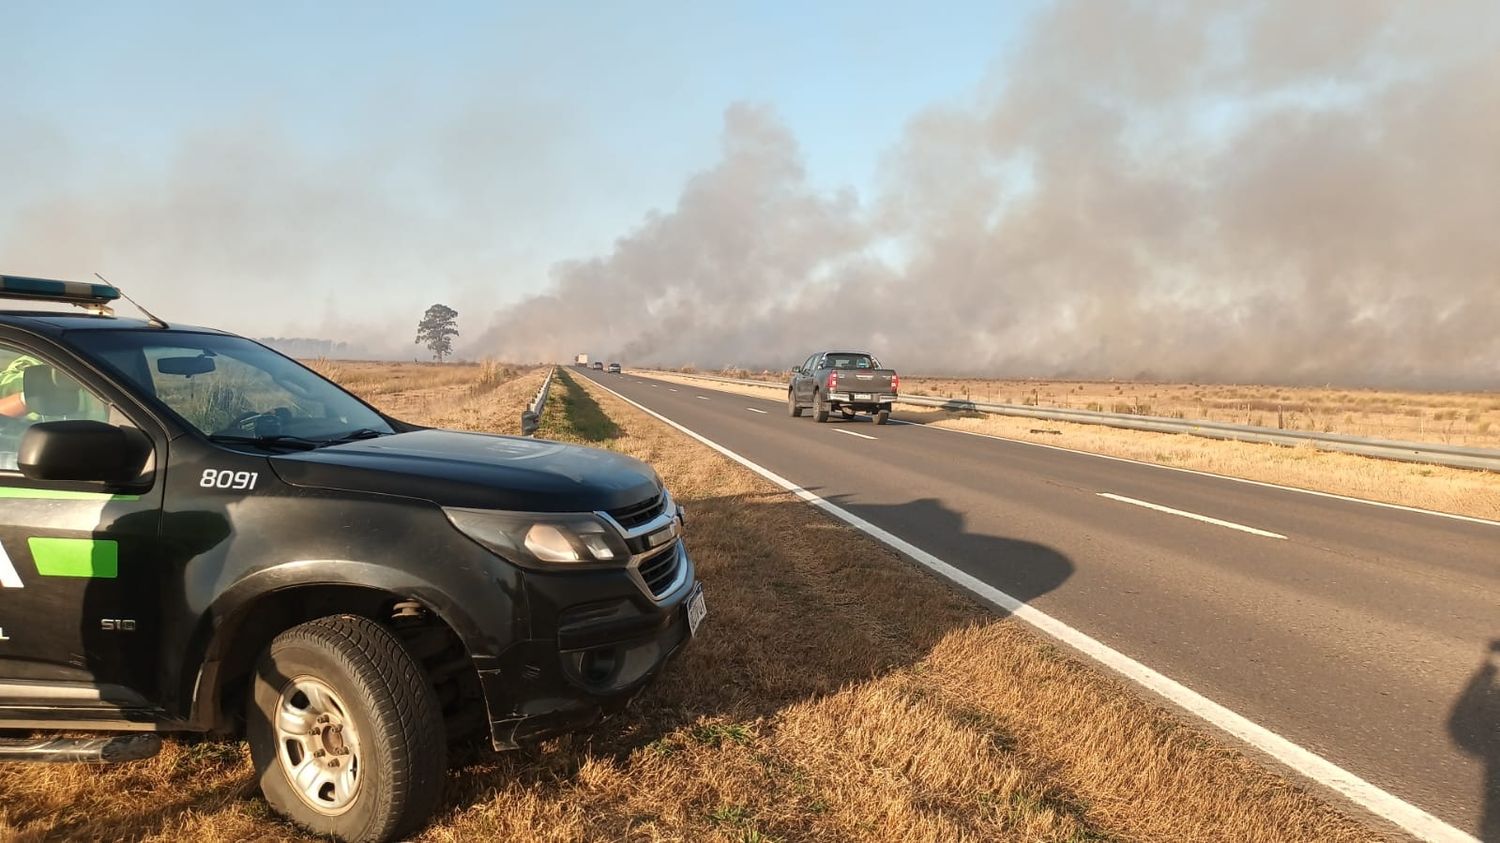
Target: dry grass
(465, 396)
(1474, 493)
(494, 410)
(374, 378)
(1455, 418)
(836, 693)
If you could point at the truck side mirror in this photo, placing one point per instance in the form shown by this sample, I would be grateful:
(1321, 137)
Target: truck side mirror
(80, 450)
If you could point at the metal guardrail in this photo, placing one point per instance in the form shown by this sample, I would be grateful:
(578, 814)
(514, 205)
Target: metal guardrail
(1432, 453)
(531, 417)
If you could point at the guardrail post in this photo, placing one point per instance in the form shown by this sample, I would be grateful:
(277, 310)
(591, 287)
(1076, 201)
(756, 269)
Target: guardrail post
(531, 417)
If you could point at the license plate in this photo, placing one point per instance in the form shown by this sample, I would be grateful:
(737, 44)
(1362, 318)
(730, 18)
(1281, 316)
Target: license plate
(697, 610)
(862, 396)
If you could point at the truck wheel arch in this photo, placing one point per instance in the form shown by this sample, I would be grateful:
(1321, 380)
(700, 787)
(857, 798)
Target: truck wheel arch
(231, 638)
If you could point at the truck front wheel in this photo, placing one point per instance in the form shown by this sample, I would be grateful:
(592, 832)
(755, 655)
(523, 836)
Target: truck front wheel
(792, 408)
(346, 733)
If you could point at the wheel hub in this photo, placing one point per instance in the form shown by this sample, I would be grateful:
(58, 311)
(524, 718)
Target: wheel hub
(317, 745)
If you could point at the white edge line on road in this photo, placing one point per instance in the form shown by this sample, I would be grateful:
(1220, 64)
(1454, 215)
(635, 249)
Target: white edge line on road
(1262, 483)
(1193, 515)
(702, 397)
(1409, 817)
(753, 410)
(851, 433)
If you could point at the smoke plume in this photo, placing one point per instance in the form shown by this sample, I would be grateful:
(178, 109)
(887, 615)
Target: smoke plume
(249, 228)
(1278, 191)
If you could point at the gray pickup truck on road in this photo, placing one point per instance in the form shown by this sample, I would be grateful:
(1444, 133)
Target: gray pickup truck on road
(847, 382)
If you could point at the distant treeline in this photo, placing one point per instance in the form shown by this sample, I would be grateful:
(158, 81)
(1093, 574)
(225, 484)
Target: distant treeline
(309, 347)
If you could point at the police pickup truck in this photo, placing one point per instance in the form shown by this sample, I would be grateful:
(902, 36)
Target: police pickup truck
(198, 534)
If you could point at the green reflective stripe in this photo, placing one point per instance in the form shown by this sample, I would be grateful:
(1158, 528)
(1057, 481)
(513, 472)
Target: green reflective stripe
(97, 558)
(61, 495)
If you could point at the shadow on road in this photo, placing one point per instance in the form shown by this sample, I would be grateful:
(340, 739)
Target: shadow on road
(1024, 570)
(1474, 726)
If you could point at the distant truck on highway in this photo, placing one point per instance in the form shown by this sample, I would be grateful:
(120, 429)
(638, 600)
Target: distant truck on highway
(581, 360)
(845, 382)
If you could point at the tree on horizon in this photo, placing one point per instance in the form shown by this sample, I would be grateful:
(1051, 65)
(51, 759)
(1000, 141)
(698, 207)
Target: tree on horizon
(437, 329)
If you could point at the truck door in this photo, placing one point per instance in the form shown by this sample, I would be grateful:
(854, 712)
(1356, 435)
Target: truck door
(805, 381)
(79, 591)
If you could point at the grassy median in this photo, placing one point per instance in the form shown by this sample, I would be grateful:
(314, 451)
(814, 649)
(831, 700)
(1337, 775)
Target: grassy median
(836, 692)
(572, 415)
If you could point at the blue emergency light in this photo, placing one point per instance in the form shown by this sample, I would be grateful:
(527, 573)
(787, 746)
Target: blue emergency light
(81, 293)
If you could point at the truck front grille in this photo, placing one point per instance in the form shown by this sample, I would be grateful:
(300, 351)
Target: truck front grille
(660, 571)
(635, 515)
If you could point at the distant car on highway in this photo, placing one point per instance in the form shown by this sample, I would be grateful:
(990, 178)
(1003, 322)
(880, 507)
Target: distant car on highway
(614, 368)
(598, 365)
(846, 382)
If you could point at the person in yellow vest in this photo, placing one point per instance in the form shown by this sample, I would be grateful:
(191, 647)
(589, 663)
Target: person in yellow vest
(12, 387)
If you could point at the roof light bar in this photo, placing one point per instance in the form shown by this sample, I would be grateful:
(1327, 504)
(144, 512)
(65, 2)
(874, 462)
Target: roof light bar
(85, 294)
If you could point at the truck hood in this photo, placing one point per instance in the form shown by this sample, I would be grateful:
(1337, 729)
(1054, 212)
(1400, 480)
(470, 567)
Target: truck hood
(476, 470)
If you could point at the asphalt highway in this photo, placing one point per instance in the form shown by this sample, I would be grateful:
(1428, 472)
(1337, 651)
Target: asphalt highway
(1360, 633)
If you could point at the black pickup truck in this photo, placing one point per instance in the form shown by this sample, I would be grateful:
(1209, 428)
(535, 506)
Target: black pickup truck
(198, 534)
(844, 382)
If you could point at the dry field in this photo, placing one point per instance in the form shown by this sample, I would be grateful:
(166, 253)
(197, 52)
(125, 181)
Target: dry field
(1453, 418)
(1473, 493)
(371, 378)
(837, 693)
(485, 396)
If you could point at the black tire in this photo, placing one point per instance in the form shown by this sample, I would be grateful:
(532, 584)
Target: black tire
(820, 409)
(399, 753)
(791, 405)
(847, 413)
(883, 416)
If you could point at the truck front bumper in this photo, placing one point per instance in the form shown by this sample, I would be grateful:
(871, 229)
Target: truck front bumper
(604, 647)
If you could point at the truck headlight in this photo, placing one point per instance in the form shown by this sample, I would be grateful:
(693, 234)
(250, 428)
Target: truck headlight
(542, 538)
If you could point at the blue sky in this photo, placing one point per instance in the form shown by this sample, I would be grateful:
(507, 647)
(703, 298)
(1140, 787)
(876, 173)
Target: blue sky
(599, 112)
(844, 76)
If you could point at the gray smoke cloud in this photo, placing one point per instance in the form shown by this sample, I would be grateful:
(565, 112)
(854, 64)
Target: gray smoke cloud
(1278, 191)
(247, 227)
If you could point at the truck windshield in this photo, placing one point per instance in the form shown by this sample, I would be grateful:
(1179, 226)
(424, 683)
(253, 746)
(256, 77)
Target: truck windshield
(851, 361)
(232, 388)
